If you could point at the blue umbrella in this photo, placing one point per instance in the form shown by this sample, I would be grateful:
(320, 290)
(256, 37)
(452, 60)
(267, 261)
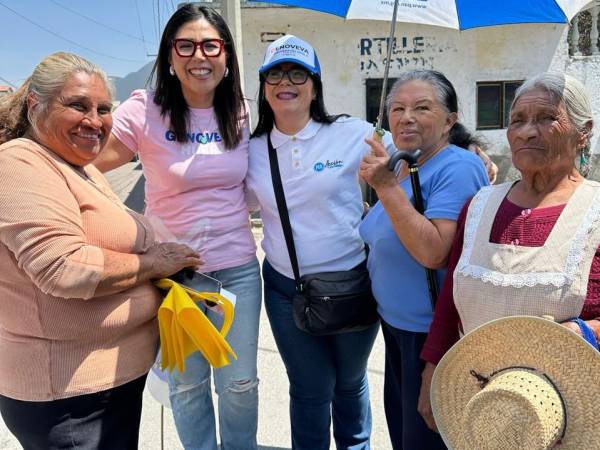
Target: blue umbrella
(457, 14)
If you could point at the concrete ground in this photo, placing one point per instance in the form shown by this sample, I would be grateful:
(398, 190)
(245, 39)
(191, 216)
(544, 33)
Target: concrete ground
(273, 426)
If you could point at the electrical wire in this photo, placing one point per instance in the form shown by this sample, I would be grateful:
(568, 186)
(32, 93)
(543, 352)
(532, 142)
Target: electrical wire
(67, 39)
(166, 14)
(8, 82)
(137, 10)
(158, 18)
(91, 19)
(155, 6)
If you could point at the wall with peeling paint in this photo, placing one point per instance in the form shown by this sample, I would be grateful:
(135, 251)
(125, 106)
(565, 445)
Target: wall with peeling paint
(352, 51)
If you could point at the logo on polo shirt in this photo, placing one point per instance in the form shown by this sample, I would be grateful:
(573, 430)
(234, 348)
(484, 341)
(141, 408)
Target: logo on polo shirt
(335, 164)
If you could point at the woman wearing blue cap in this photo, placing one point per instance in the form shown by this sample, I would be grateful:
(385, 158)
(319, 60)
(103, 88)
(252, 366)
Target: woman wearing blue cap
(318, 158)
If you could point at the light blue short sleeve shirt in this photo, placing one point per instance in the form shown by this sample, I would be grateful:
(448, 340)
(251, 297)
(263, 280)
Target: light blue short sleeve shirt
(448, 180)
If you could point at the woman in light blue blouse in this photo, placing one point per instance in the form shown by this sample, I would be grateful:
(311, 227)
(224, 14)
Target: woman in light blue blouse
(423, 112)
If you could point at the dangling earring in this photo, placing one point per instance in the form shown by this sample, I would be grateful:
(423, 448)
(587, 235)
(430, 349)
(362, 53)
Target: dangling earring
(585, 160)
(171, 71)
(226, 72)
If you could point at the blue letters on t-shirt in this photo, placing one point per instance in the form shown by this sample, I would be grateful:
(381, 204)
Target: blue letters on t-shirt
(198, 137)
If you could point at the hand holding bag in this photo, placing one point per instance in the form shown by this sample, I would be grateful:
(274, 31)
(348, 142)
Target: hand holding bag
(325, 302)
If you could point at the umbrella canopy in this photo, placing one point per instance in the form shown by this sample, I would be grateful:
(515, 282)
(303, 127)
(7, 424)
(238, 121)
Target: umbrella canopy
(457, 14)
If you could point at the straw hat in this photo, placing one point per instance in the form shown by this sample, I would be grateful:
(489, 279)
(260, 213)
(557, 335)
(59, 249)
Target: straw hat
(521, 382)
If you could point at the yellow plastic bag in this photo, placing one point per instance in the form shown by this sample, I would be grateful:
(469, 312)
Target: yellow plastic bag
(184, 328)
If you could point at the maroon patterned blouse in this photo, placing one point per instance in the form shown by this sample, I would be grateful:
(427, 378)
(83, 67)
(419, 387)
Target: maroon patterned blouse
(512, 225)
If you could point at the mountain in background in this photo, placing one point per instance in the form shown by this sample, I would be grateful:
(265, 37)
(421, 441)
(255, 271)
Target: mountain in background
(129, 83)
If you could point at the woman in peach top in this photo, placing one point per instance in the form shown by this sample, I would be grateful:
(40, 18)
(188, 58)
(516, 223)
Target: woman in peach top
(78, 312)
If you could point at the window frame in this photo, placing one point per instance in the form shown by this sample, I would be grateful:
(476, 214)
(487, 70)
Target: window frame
(503, 119)
(373, 87)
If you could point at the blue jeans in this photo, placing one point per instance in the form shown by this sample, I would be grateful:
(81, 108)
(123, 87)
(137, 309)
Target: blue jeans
(327, 375)
(236, 384)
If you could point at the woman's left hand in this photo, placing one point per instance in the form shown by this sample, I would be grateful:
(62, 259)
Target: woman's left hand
(424, 402)
(572, 326)
(593, 324)
(373, 168)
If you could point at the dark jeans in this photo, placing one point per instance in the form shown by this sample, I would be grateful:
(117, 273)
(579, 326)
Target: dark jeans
(103, 420)
(327, 375)
(403, 368)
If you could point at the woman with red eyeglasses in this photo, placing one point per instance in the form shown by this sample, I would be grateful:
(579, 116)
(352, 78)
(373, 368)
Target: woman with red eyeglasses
(191, 135)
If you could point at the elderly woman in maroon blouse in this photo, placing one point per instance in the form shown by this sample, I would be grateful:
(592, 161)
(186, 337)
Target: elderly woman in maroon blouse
(529, 247)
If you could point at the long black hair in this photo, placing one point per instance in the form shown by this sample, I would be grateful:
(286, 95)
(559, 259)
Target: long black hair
(459, 135)
(228, 101)
(318, 112)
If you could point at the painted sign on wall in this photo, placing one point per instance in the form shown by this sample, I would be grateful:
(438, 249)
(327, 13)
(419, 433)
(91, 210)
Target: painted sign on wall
(407, 52)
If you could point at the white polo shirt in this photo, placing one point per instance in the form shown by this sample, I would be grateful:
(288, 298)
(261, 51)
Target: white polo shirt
(319, 173)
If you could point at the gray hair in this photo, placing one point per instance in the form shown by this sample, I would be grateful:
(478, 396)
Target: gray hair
(446, 95)
(571, 92)
(445, 91)
(46, 81)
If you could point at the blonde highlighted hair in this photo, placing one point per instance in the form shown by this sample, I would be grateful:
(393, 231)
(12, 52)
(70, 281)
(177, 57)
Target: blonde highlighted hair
(46, 81)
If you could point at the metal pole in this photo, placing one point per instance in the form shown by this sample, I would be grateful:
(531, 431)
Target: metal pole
(386, 70)
(162, 427)
(232, 13)
(378, 134)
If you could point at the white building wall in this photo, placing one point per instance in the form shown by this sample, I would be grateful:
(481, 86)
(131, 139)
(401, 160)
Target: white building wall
(587, 70)
(352, 51)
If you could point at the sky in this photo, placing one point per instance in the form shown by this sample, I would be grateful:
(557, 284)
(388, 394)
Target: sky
(119, 35)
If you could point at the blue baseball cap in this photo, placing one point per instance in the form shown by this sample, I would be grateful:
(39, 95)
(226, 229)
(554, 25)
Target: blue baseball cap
(291, 49)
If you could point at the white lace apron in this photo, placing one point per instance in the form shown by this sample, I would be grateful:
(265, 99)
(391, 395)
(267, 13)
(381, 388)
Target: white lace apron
(498, 280)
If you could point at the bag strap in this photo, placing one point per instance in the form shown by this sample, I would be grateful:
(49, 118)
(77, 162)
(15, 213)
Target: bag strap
(283, 211)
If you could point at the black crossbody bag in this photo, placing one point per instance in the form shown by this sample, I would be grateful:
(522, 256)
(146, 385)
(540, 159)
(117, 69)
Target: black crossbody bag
(325, 302)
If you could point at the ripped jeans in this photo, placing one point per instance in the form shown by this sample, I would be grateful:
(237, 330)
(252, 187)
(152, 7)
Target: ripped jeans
(235, 384)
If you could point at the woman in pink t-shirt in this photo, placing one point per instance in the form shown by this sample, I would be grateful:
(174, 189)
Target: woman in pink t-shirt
(191, 136)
